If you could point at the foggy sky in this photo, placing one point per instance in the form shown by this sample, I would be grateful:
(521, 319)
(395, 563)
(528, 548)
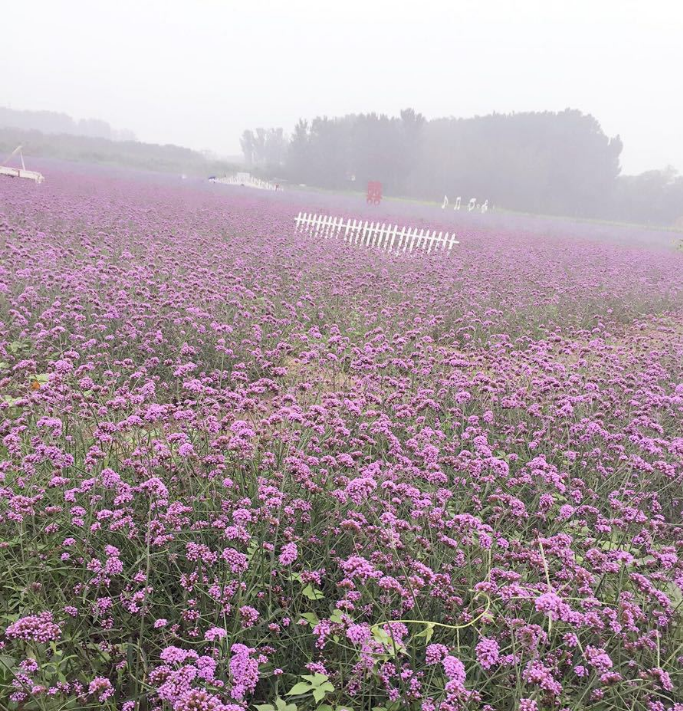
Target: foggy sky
(198, 72)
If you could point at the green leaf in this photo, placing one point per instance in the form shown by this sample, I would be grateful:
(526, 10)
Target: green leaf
(265, 707)
(674, 593)
(283, 705)
(252, 547)
(312, 593)
(391, 646)
(318, 694)
(381, 636)
(427, 632)
(302, 687)
(16, 346)
(316, 679)
(336, 616)
(7, 662)
(311, 617)
(11, 401)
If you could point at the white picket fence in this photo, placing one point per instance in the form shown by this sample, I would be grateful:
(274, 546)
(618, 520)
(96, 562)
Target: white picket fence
(390, 238)
(248, 181)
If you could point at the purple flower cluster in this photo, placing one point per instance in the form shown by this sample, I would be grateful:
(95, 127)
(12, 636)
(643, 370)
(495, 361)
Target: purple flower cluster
(34, 628)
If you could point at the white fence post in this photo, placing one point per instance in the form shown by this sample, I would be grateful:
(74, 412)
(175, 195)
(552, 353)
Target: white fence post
(366, 231)
(368, 235)
(372, 234)
(412, 241)
(403, 239)
(410, 238)
(417, 236)
(393, 237)
(380, 236)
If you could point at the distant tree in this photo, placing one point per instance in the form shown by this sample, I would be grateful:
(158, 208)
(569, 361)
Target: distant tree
(52, 122)
(412, 125)
(94, 128)
(375, 149)
(275, 147)
(655, 196)
(298, 151)
(265, 147)
(543, 162)
(260, 146)
(247, 143)
(124, 135)
(328, 152)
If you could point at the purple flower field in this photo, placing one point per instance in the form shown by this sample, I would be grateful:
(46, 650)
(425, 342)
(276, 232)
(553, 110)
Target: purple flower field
(241, 468)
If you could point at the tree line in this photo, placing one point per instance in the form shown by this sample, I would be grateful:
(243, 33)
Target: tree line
(53, 122)
(131, 154)
(544, 162)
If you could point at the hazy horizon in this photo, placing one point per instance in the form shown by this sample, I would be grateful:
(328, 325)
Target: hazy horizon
(198, 74)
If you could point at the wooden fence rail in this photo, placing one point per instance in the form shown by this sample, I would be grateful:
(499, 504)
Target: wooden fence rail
(390, 238)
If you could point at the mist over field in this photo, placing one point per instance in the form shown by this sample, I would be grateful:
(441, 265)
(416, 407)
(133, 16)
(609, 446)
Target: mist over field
(341, 356)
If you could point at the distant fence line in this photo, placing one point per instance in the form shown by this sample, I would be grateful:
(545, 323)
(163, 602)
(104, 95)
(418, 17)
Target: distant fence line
(246, 180)
(390, 238)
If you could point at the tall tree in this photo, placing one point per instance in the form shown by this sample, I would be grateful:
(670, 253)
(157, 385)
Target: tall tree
(298, 152)
(247, 143)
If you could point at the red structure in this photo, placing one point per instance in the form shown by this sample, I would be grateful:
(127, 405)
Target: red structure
(374, 196)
